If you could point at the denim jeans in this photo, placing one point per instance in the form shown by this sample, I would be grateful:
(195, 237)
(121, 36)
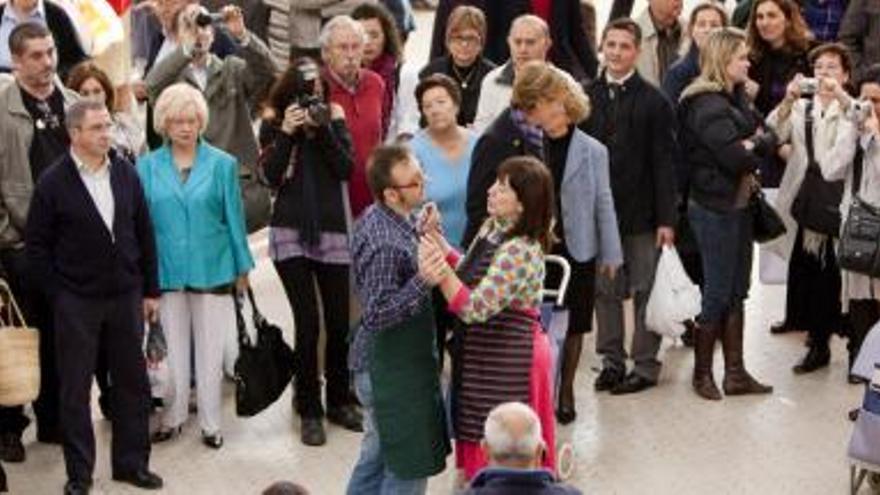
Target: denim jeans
(725, 242)
(371, 475)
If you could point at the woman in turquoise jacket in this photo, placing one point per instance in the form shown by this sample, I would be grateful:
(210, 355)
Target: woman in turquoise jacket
(195, 203)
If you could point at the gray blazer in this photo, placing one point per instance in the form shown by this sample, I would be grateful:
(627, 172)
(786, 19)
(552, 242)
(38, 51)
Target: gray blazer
(588, 215)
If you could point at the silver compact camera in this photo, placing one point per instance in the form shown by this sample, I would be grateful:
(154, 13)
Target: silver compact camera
(808, 86)
(861, 110)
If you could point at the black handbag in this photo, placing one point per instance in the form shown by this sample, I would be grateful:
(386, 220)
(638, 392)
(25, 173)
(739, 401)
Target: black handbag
(766, 223)
(264, 367)
(817, 204)
(859, 248)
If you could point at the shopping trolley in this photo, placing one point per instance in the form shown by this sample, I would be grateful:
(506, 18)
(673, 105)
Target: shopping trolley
(554, 320)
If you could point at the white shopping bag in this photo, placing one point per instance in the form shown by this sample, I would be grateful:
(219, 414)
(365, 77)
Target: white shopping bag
(674, 298)
(161, 383)
(869, 355)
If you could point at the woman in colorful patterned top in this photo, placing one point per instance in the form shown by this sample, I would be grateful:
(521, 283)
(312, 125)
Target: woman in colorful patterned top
(496, 292)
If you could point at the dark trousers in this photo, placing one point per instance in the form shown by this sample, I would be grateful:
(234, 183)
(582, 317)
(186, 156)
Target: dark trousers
(299, 276)
(84, 325)
(812, 300)
(37, 312)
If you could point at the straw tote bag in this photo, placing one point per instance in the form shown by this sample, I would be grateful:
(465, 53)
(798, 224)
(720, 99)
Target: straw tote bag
(19, 354)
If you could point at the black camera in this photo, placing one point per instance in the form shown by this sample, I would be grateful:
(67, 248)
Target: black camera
(318, 111)
(305, 81)
(204, 19)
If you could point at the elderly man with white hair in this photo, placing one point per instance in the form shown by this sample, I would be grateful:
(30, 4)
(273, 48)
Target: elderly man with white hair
(514, 447)
(529, 40)
(359, 92)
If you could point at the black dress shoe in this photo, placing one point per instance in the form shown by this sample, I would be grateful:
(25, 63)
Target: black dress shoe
(143, 478)
(312, 432)
(631, 384)
(163, 435)
(75, 487)
(566, 415)
(347, 417)
(11, 448)
(817, 358)
(853, 414)
(608, 379)
(214, 441)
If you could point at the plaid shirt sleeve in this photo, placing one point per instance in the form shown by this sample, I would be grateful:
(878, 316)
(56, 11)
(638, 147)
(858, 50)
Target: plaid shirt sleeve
(389, 292)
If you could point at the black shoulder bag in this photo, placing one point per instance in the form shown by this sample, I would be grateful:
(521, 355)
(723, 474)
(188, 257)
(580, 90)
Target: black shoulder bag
(859, 249)
(817, 204)
(264, 366)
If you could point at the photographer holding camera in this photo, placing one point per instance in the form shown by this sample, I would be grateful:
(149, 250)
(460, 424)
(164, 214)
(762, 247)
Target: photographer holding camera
(307, 157)
(860, 292)
(812, 117)
(232, 86)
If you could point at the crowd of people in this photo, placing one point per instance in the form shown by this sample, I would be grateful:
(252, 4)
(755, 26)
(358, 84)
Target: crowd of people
(410, 206)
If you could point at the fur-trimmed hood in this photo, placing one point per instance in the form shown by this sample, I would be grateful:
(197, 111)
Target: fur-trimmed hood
(700, 86)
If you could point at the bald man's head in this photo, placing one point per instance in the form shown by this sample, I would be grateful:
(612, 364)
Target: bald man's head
(512, 436)
(529, 40)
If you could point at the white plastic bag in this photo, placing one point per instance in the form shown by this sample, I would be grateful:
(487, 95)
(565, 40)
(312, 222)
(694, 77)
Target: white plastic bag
(869, 354)
(161, 383)
(674, 298)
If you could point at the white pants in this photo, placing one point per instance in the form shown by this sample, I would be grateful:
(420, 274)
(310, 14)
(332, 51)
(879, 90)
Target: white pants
(202, 318)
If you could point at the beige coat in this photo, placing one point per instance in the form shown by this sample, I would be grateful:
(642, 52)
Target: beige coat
(16, 183)
(834, 138)
(648, 64)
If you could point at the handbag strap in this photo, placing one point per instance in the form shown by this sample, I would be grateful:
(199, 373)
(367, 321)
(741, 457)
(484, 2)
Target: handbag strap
(858, 163)
(808, 135)
(13, 313)
(243, 339)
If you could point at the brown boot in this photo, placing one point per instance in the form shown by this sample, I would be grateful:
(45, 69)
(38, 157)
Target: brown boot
(704, 350)
(737, 381)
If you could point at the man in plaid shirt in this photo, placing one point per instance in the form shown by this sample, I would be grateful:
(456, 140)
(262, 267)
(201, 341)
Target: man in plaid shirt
(394, 340)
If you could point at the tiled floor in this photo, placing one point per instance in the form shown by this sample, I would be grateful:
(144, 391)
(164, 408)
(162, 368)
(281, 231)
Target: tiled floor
(663, 441)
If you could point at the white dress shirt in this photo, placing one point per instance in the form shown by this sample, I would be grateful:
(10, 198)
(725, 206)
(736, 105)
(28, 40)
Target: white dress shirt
(97, 182)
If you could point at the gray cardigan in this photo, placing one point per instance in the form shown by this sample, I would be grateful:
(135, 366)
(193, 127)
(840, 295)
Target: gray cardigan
(588, 214)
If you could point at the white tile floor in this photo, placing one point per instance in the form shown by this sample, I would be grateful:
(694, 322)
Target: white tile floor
(663, 441)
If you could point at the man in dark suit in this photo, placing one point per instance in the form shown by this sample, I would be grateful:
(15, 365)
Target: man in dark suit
(90, 244)
(635, 121)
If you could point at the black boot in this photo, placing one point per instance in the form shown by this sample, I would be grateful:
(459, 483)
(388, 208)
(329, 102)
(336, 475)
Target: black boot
(817, 357)
(687, 338)
(704, 351)
(737, 381)
(571, 355)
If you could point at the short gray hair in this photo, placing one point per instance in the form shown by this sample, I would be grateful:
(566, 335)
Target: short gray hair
(76, 112)
(176, 100)
(532, 20)
(512, 432)
(336, 23)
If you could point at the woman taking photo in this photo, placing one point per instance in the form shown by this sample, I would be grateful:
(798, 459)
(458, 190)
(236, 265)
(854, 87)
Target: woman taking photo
(586, 223)
(307, 157)
(812, 298)
(444, 150)
(723, 142)
(503, 355)
(383, 51)
(465, 64)
(195, 203)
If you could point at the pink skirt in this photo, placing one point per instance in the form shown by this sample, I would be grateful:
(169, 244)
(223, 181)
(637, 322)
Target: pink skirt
(470, 456)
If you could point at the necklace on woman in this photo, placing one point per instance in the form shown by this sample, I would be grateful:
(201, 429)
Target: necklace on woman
(463, 81)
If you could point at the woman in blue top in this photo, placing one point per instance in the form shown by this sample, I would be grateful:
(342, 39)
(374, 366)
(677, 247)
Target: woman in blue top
(444, 150)
(195, 203)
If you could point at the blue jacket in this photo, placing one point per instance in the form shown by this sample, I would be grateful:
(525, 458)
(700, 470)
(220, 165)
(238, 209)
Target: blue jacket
(200, 234)
(506, 481)
(588, 214)
(681, 73)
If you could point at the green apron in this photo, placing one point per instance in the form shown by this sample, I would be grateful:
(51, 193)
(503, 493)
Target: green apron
(407, 403)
